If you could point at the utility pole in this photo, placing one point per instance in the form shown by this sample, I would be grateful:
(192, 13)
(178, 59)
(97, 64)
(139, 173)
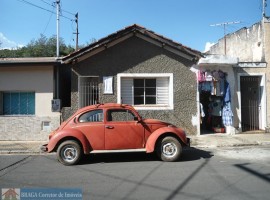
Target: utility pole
(77, 31)
(224, 24)
(57, 26)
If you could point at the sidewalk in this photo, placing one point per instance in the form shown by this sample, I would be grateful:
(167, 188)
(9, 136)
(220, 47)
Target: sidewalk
(224, 140)
(202, 141)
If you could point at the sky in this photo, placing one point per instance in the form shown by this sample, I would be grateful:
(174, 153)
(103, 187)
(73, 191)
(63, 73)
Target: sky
(185, 21)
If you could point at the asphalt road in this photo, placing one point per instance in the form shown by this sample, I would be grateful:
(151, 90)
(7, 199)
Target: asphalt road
(232, 173)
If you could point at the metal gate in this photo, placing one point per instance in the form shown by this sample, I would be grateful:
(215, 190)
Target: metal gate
(88, 91)
(250, 102)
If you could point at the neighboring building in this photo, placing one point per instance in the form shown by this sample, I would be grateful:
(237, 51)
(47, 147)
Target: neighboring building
(27, 88)
(139, 67)
(244, 55)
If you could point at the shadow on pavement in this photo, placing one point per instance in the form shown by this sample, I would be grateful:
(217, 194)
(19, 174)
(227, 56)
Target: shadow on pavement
(189, 154)
(248, 168)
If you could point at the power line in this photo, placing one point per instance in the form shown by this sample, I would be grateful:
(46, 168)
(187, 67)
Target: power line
(56, 4)
(27, 2)
(37, 6)
(68, 12)
(47, 3)
(48, 23)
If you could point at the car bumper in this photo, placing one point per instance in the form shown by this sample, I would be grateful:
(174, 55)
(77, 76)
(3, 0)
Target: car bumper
(44, 148)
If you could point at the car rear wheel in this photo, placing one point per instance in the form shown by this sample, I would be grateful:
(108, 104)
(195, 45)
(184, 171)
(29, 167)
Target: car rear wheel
(69, 152)
(169, 149)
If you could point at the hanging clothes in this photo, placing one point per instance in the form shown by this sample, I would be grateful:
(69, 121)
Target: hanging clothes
(215, 107)
(201, 75)
(216, 76)
(218, 88)
(222, 86)
(205, 86)
(208, 75)
(201, 110)
(213, 88)
(227, 115)
(227, 95)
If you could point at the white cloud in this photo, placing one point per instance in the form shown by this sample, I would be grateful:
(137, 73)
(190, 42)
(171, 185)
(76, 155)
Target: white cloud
(8, 44)
(207, 46)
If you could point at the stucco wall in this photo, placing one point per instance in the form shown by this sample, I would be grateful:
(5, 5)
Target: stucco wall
(246, 44)
(138, 56)
(35, 79)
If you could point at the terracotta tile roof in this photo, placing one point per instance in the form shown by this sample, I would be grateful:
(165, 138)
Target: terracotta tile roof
(135, 29)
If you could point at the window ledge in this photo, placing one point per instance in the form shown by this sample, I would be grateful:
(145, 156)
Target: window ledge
(153, 107)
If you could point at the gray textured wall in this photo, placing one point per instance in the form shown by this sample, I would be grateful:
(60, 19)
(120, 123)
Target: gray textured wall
(138, 56)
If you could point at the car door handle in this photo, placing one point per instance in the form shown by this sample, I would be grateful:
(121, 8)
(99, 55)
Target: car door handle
(109, 127)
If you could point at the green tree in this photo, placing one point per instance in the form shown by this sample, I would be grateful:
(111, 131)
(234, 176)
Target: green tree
(41, 47)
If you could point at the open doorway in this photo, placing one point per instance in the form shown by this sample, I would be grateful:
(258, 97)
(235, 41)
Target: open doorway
(211, 106)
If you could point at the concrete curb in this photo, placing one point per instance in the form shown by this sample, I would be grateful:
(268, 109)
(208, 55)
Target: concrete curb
(21, 147)
(202, 141)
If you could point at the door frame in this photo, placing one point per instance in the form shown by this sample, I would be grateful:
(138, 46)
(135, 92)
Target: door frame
(262, 112)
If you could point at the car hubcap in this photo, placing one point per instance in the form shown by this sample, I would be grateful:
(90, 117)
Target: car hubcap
(69, 153)
(169, 149)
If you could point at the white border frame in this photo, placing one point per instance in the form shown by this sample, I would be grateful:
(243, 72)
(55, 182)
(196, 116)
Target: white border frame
(263, 100)
(147, 75)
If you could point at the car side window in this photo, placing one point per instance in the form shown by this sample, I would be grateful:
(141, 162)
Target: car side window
(120, 115)
(92, 116)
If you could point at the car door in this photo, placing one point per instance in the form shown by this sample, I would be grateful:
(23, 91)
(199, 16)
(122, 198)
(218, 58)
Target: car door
(91, 124)
(122, 130)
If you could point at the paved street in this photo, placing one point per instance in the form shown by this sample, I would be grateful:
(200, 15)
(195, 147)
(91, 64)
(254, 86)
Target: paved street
(226, 173)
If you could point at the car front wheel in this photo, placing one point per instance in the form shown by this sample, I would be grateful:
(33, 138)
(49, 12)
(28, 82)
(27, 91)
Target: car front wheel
(69, 152)
(169, 149)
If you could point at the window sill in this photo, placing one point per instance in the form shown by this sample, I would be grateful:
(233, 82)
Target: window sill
(153, 107)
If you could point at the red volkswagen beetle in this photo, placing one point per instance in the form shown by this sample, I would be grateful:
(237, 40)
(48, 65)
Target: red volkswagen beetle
(114, 128)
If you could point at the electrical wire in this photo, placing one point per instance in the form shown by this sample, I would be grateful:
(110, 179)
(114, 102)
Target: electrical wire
(47, 3)
(47, 23)
(29, 3)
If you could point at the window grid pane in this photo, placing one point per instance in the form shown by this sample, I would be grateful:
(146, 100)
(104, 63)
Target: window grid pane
(145, 91)
(18, 103)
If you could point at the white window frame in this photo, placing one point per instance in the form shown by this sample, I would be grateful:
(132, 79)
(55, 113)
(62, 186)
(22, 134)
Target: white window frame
(170, 106)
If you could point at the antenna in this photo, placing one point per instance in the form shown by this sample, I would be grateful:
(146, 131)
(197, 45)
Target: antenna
(224, 24)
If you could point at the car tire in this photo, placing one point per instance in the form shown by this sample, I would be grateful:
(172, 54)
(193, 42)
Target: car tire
(169, 149)
(69, 152)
